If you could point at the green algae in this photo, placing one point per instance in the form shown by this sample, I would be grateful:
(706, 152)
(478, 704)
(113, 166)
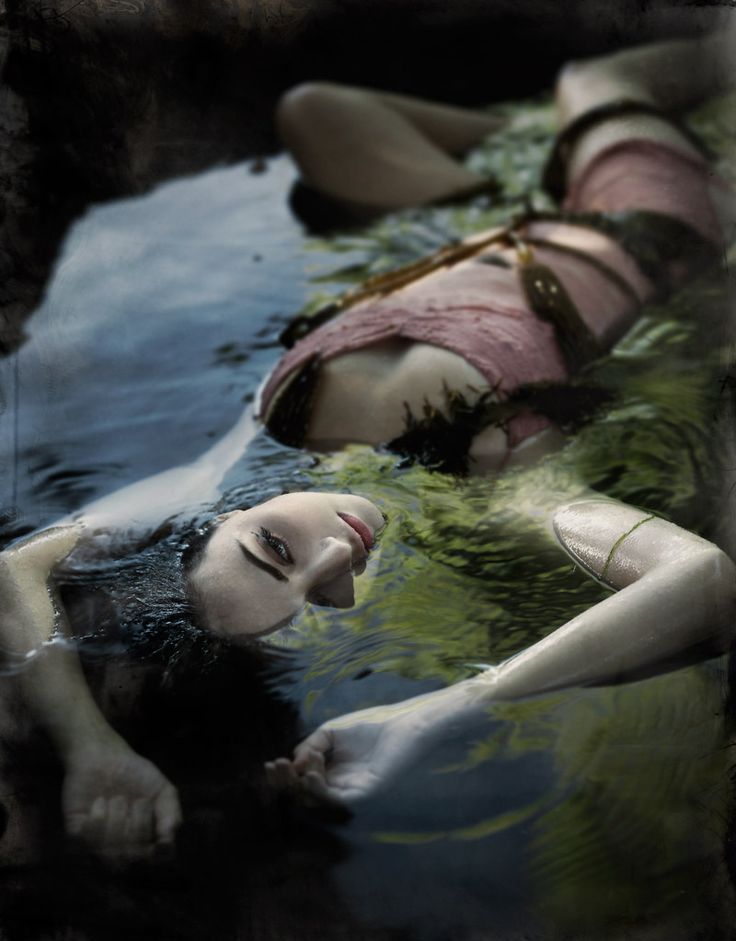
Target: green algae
(466, 574)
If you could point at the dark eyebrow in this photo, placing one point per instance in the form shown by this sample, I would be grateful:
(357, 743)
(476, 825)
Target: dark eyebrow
(259, 563)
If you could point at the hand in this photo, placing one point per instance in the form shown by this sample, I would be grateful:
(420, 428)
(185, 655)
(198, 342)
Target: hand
(118, 803)
(352, 757)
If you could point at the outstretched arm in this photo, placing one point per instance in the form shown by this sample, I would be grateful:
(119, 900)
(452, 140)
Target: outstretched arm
(113, 798)
(675, 604)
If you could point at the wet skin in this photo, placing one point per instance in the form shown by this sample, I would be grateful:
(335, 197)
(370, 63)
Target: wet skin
(263, 564)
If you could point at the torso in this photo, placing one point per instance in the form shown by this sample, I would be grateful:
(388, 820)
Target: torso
(363, 394)
(470, 327)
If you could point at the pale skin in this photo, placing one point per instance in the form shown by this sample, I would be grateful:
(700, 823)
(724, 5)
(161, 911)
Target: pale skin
(119, 803)
(113, 799)
(674, 605)
(385, 151)
(676, 597)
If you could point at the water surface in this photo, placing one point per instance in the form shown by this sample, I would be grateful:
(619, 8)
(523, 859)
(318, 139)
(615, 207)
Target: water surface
(584, 814)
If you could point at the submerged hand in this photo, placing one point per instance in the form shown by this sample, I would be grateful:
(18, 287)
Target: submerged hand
(118, 803)
(351, 757)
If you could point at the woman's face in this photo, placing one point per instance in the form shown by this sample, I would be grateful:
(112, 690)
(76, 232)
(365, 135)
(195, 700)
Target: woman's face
(262, 564)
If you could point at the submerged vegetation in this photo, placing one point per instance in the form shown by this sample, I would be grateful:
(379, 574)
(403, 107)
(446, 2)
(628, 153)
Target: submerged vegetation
(469, 545)
(466, 576)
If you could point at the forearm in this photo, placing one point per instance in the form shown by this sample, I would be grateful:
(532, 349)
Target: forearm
(676, 605)
(49, 675)
(430, 711)
(660, 623)
(669, 619)
(57, 696)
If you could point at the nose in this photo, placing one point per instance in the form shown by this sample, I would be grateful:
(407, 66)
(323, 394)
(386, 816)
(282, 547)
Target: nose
(329, 579)
(339, 592)
(334, 557)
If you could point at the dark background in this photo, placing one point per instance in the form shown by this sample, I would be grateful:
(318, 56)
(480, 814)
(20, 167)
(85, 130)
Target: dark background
(105, 98)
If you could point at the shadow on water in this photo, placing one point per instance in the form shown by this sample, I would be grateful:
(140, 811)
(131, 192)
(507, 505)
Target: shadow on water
(583, 815)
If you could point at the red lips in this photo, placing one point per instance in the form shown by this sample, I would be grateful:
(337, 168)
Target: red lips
(366, 536)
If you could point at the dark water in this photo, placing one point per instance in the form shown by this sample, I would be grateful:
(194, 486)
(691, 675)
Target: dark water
(158, 324)
(587, 814)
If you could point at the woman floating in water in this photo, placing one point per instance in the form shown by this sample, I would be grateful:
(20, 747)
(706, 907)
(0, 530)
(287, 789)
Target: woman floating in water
(520, 307)
(526, 305)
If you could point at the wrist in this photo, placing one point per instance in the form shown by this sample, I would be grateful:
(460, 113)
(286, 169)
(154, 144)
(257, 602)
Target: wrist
(459, 699)
(92, 735)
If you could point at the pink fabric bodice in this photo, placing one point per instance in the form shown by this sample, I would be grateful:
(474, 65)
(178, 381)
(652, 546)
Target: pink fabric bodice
(479, 311)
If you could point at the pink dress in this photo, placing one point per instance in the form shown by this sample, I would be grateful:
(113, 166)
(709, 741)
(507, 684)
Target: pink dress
(480, 311)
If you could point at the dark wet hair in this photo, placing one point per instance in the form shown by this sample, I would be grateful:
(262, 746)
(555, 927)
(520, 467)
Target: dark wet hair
(205, 711)
(196, 546)
(141, 604)
(192, 692)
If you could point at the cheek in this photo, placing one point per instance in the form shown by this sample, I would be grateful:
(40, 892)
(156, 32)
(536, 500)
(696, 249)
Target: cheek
(233, 607)
(222, 612)
(213, 593)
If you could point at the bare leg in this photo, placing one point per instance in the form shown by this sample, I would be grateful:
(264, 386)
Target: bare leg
(378, 150)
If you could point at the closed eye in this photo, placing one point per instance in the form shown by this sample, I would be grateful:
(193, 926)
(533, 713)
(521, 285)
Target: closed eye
(278, 547)
(264, 566)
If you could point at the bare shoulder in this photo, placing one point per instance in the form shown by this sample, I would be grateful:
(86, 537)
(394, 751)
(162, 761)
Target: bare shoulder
(617, 544)
(44, 548)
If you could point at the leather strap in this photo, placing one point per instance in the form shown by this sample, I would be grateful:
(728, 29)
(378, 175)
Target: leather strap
(554, 173)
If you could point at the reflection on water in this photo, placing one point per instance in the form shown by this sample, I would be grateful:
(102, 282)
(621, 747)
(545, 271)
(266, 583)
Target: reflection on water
(585, 814)
(130, 364)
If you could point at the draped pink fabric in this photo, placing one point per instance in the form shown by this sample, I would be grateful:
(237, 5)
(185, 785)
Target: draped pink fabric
(646, 175)
(479, 311)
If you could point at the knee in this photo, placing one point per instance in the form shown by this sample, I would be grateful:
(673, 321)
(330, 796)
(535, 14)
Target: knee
(304, 109)
(569, 78)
